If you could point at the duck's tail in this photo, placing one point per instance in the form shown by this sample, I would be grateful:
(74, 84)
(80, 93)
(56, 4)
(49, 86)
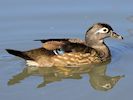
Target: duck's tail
(18, 53)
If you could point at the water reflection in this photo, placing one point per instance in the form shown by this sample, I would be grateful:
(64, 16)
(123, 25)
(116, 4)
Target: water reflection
(100, 81)
(98, 78)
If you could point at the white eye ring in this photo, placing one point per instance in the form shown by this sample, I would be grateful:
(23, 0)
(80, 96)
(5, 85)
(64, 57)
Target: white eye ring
(105, 30)
(102, 30)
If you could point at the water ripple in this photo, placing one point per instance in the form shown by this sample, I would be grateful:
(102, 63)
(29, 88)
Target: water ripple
(7, 57)
(120, 50)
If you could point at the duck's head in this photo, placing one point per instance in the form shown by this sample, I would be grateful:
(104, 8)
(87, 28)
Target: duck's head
(98, 32)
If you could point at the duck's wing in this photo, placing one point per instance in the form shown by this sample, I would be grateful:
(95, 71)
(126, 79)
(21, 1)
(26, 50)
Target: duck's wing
(61, 46)
(53, 44)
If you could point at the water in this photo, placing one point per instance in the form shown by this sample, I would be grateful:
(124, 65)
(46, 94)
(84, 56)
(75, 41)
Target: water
(23, 21)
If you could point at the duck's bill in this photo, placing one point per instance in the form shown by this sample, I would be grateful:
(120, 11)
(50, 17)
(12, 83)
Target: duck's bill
(115, 35)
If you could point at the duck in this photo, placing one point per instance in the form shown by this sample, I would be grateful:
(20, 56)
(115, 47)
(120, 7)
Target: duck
(71, 52)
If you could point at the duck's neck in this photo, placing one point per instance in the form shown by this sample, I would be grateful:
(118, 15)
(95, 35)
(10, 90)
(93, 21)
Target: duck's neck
(102, 50)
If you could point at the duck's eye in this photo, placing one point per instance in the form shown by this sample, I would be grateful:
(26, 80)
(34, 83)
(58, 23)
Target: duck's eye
(105, 30)
(102, 30)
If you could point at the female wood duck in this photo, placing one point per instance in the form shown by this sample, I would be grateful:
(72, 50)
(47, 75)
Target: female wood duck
(71, 52)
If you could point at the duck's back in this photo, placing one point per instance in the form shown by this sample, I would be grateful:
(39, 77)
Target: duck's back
(69, 53)
(60, 52)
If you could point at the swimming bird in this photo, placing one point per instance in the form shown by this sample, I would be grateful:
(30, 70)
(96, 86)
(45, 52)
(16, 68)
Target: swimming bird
(71, 51)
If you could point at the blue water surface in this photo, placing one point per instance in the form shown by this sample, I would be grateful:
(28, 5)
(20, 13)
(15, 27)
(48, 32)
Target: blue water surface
(22, 21)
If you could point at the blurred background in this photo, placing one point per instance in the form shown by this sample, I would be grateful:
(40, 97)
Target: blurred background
(22, 21)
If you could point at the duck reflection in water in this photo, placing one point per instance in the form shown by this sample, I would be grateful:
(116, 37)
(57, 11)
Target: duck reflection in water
(97, 73)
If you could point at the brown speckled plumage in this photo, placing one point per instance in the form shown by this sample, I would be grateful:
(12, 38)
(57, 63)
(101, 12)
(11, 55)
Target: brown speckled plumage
(72, 52)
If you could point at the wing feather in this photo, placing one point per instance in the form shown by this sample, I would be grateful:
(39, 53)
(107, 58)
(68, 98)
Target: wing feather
(53, 44)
